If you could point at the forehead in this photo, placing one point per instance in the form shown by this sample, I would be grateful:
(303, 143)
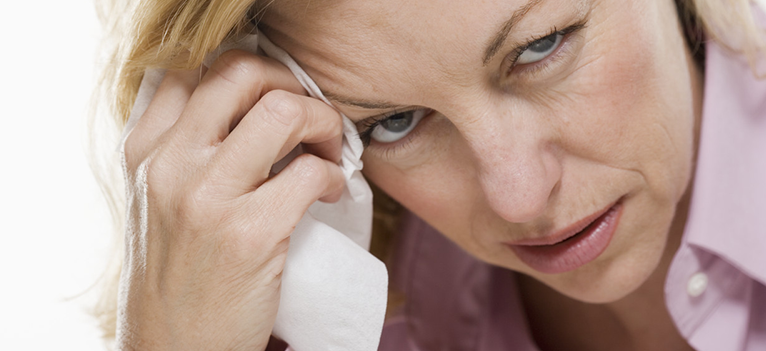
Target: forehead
(376, 47)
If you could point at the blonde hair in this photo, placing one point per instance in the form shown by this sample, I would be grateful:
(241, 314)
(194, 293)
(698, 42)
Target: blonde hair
(144, 34)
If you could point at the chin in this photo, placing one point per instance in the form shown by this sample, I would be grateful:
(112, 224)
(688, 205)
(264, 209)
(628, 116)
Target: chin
(605, 282)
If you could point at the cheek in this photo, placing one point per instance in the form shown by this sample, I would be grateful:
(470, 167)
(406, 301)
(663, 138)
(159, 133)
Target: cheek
(429, 189)
(443, 191)
(632, 108)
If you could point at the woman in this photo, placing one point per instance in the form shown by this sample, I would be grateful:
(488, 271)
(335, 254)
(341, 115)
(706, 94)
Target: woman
(576, 143)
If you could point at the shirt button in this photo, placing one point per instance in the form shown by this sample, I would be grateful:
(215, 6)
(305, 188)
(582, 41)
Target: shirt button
(697, 284)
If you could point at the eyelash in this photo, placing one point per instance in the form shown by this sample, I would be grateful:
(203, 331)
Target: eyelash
(543, 63)
(369, 124)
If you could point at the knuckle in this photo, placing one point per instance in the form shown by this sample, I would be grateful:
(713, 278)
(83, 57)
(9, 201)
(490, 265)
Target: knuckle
(282, 109)
(240, 68)
(131, 150)
(311, 171)
(156, 172)
(191, 203)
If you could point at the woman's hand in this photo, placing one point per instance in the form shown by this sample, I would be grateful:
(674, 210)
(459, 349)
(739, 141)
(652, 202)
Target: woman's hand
(208, 229)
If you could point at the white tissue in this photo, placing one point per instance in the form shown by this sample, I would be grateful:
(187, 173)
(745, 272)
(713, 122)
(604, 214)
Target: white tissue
(334, 292)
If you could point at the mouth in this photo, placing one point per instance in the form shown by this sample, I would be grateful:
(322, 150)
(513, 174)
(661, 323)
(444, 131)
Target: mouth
(572, 247)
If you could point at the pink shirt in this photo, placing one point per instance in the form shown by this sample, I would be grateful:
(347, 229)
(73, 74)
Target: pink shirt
(715, 289)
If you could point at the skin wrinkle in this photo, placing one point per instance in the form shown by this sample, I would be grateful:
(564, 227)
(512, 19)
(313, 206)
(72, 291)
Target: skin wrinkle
(346, 77)
(342, 65)
(345, 63)
(507, 27)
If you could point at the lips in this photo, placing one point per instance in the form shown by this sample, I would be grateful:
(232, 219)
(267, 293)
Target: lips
(572, 247)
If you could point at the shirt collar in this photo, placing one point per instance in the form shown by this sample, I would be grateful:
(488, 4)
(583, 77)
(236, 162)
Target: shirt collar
(728, 210)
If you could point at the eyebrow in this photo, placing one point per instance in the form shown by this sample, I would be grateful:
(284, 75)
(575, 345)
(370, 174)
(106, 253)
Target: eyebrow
(502, 34)
(490, 52)
(367, 104)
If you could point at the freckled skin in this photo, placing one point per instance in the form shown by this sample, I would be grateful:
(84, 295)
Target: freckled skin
(520, 156)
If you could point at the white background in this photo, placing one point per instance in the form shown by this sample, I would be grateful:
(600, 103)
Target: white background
(53, 224)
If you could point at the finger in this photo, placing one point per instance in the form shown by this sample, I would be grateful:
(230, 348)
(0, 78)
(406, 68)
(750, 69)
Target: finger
(333, 196)
(328, 150)
(230, 88)
(274, 126)
(319, 126)
(290, 193)
(167, 104)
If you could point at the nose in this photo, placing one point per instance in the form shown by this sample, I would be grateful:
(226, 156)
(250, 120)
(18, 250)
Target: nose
(518, 163)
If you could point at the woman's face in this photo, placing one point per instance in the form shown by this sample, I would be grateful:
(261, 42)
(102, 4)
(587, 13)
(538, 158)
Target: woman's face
(498, 142)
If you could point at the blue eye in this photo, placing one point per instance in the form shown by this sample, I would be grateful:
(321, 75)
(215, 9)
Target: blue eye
(540, 49)
(397, 126)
